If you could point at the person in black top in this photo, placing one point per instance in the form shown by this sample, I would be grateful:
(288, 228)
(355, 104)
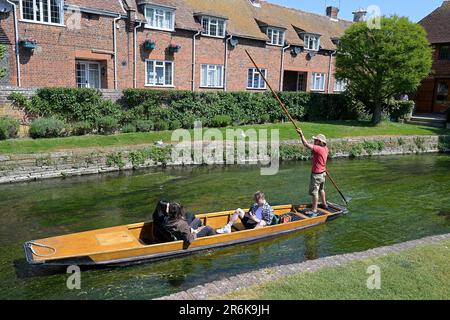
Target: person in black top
(171, 223)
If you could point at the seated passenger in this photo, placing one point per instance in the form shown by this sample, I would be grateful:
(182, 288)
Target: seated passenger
(260, 215)
(181, 226)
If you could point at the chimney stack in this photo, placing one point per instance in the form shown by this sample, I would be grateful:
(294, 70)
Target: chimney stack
(332, 12)
(256, 3)
(359, 15)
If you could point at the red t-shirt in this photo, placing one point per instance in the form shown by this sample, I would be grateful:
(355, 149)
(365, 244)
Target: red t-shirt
(319, 161)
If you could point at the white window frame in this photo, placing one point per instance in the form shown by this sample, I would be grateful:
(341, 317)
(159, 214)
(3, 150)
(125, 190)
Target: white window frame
(87, 70)
(271, 32)
(208, 31)
(315, 39)
(155, 62)
(315, 76)
(340, 85)
(254, 73)
(41, 20)
(165, 11)
(204, 83)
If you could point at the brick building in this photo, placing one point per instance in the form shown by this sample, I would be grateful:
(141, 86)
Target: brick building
(118, 44)
(433, 96)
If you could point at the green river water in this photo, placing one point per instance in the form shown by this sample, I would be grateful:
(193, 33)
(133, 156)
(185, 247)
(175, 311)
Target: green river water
(395, 199)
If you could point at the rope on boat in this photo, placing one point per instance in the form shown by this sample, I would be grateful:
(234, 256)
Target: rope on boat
(31, 244)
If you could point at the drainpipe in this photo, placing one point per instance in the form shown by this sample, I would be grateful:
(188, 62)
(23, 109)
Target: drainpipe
(16, 32)
(193, 58)
(226, 62)
(282, 66)
(329, 70)
(115, 50)
(135, 55)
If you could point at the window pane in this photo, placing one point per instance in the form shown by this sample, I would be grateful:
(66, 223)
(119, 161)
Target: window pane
(442, 91)
(55, 10)
(262, 83)
(213, 27)
(444, 53)
(275, 37)
(150, 72)
(159, 18)
(45, 10)
(168, 21)
(220, 76)
(280, 37)
(37, 10)
(204, 76)
(149, 15)
(81, 75)
(250, 78)
(168, 73)
(94, 78)
(206, 26)
(221, 31)
(28, 9)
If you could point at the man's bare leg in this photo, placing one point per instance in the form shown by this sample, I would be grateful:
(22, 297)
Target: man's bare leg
(315, 202)
(323, 198)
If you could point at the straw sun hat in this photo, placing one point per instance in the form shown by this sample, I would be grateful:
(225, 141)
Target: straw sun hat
(321, 138)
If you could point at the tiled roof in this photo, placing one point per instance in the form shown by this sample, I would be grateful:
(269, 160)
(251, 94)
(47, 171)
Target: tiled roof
(105, 5)
(296, 21)
(184, 13)
(240, 16)
(437, 24)
(245, 20)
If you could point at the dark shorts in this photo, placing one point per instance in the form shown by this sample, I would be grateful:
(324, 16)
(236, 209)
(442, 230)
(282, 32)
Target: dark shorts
(248, 223)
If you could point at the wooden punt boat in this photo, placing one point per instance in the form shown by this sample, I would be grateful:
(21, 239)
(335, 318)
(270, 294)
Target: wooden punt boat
(134, 243)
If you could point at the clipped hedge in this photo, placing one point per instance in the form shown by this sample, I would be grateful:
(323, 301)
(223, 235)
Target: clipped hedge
(241, 107)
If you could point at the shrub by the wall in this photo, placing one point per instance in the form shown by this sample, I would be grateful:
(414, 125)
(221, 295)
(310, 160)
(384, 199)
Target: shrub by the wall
(67, 104)
(129, 128)
(107, 125)
(221, 121)
(47, 128)
(9, 128)
(81, 128)
(144, 125)
(401, 110)
(161, 125)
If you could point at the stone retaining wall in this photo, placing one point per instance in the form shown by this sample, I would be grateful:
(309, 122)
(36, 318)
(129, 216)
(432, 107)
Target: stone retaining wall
(66, 163)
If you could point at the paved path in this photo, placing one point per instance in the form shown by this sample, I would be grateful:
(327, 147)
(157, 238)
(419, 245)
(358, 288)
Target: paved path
(228, 285)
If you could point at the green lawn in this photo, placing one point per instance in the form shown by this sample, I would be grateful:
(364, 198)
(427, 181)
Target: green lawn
(419, 273)
(335, 129)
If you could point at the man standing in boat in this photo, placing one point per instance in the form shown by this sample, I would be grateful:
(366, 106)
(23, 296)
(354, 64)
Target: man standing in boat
(319, 170)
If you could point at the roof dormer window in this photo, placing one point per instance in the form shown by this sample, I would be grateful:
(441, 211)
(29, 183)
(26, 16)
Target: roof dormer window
(160, 18)
(312, 42)
(276, 36)
(213, 27)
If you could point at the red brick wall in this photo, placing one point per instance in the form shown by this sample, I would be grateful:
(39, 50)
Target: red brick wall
(53, 62)
(426, 93)
(441, 68)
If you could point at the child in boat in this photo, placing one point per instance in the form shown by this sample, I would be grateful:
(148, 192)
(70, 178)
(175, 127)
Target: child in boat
(319, 171)
(260, 215)
(181, 226)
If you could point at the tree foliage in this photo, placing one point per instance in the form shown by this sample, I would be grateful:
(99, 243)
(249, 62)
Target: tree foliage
(383, 63)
